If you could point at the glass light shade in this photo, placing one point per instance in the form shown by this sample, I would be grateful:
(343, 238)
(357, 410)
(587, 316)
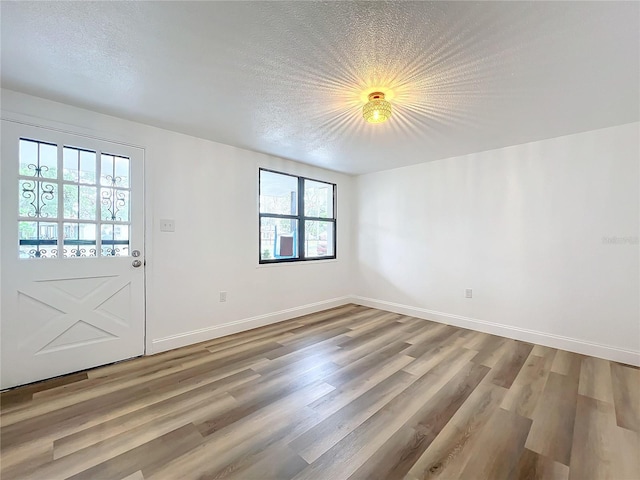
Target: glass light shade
(377, 109)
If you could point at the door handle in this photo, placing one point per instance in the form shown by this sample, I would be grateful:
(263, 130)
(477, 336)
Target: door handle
(136, 263)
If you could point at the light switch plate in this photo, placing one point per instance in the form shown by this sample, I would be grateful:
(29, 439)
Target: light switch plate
(167, 225)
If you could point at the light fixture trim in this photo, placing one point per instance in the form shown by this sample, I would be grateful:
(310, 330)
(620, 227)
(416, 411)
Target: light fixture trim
(377, 109)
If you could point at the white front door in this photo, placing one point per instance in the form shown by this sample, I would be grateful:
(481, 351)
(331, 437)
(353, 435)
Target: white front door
(72, 253)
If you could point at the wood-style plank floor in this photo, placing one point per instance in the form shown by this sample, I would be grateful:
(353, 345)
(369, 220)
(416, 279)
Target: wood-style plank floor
(349, 393)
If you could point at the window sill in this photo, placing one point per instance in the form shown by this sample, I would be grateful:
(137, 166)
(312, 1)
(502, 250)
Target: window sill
(290, 264)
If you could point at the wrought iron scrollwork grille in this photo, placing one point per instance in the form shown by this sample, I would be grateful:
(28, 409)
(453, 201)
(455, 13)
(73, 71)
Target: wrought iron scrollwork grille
(38, 192)
(73, 202)
(113, 200)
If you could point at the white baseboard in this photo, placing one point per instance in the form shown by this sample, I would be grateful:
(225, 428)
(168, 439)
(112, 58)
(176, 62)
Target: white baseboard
(608, 352)
(201, 335)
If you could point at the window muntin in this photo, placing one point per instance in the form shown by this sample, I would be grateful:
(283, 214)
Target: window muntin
(68, 195)
(297, 218)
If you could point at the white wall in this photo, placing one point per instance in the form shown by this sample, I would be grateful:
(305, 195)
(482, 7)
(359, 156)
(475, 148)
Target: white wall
(523, 227)
(210, 190)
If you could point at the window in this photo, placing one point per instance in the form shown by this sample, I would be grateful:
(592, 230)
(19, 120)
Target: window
(297, 218)
(73, 202)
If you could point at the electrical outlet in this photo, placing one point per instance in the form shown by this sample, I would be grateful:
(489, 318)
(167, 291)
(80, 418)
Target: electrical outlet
(223, 296)
(167, 225)
(468, 293)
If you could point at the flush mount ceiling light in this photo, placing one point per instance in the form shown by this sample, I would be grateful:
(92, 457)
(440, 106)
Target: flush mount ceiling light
(377, 109)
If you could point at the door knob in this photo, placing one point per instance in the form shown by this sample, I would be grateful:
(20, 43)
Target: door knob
(136, 263)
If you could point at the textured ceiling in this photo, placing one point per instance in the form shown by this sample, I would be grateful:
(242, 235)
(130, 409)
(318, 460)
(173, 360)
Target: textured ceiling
(289, 78)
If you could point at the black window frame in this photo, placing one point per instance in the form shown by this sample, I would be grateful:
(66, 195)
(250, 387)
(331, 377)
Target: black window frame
(300, 217)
